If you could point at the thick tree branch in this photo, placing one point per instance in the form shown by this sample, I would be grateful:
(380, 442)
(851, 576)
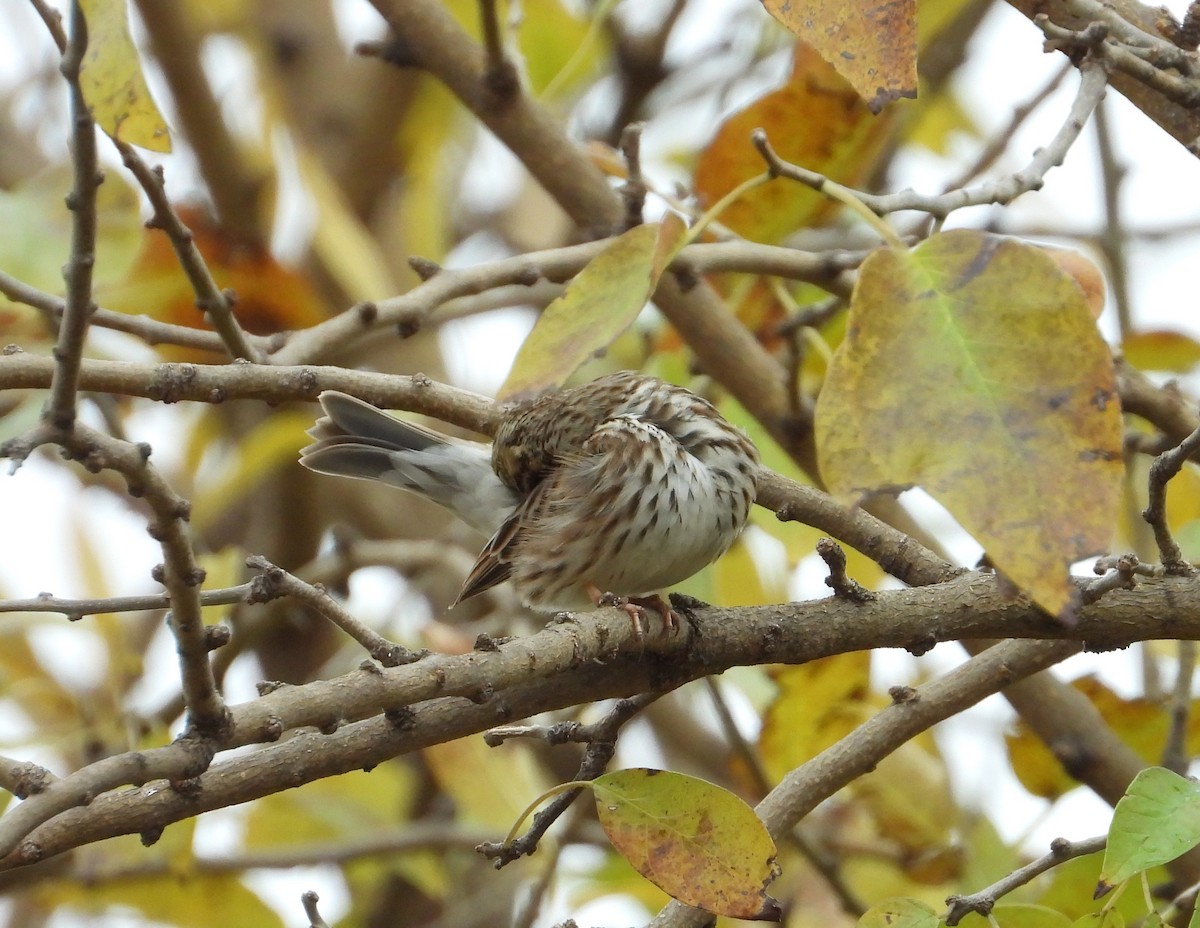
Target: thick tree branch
(593, 656)
(1128, 19)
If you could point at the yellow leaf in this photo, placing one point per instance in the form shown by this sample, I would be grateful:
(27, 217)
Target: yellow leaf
(940, 117)
(972, 367)
(271, 444)
(35, 229)
(352, 255)
(598, 305)
(185, 901)
(1161, 350)
(698, 842)
(738, 580)
(341, 807)
(818, 704)
(871, 43)
(489, 786)
(1140, 723)
(112, 81)
(899, 913)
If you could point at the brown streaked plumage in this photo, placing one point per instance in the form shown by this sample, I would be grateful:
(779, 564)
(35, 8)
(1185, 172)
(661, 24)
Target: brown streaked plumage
(611, 490)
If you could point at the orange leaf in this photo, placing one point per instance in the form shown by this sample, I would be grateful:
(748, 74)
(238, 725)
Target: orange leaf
(268, 296)
(840, 139)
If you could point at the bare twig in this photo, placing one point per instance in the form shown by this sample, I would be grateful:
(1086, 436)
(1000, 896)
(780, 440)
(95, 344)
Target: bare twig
(838, 581)
(59, 411)
(23, 778)
(274, 581)
(987, 157)
(1165, 467)
(309, 900)
(411, 309)
(500, 79)
(1000, 191)
(186, 758)
(53, 22)
(179, 572)
(215, 303)
(601, 739)
(633, 191)
(1116, 574)
(983, 901)
(1176, 755)
(76, 609)
(1114, 239)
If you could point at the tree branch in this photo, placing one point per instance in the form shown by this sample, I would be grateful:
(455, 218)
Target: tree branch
(59, 411)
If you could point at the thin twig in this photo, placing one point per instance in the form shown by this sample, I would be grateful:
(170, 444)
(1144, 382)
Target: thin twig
(215, 303)
(983, 901)
(602, 744)
(24, 778)
(411, 309)
(179, 573)
(1165, 467)
(1116, 574)
(1003, 190)
(500, 79)
(60, 409)
(1176, 755)
(838, 580)
(76, 609)
(987, 157)
(1114, 239)
(274, 581)
(309, 900)
(52, 19)
(633, 191)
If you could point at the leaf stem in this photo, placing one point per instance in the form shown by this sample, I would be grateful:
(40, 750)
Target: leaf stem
(549, 794)
(719, 207)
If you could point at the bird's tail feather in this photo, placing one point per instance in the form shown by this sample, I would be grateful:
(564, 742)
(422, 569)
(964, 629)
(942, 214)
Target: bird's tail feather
(354, 439)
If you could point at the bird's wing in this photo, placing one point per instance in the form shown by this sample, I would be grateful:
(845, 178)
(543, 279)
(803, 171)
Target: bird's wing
(494, 564)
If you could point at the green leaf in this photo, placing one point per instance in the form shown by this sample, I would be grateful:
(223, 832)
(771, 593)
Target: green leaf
(696, 841)
(973, 368)
(600, 303)
(1105, 918)
(1022, 915)
(899, 912)
(1157, 820)
(112, 81)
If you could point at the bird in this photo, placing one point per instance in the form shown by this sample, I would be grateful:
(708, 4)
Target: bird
(599, 494)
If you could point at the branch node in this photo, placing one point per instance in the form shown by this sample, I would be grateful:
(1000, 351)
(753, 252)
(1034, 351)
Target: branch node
(838, 581)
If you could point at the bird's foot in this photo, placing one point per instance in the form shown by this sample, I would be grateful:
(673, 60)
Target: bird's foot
(635, 607)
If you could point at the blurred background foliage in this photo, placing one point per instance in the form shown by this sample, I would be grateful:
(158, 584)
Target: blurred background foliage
(310, 176)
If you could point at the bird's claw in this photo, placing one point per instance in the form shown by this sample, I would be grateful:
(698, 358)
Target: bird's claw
(635, 607)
